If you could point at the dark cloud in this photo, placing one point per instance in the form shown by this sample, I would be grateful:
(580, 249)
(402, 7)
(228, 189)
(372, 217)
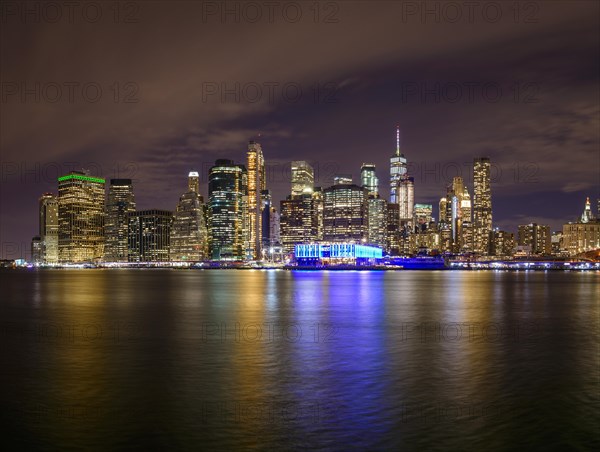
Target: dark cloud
(373, 66)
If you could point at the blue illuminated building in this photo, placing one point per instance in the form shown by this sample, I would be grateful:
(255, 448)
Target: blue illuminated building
(337, 253)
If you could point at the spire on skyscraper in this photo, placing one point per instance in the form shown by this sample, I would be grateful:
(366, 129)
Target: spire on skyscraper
(398, 140)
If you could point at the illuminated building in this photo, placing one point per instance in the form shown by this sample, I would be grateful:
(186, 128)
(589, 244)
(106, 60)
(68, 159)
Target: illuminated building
(582, 236)
(80, 218)
(482, 205)
(443, 215)
(397, 169)
(303, 178)
(502, 243)
(149, 235)
(227, 193)
(317, 206)
(336, 253)
(189, 235)
(344, 211)
(457, 214)
(536, 237)
(423, 216)
(376, 221)
(587, 215)
(48, 228)
(556, 243)
(393, 230)
(121, 202)
(369, 179)
(256, 184)
(36, 250)
(406, 200)
(298, 221)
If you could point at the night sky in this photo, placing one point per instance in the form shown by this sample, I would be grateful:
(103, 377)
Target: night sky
(522, 89)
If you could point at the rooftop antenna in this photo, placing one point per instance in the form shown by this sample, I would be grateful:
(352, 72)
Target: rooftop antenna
(398, 140)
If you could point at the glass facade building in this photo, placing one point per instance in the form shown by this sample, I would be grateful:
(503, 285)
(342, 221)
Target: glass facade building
(227, 205)
(149, 235)
(120, 203)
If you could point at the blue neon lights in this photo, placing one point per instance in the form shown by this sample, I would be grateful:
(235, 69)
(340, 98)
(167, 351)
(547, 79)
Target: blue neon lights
(337, 251)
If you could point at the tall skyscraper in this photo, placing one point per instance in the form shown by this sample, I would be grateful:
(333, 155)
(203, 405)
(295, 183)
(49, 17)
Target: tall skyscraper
(149, 235)
(482, 205)
(344, 212)
(303, 178)
(48, 229)
(398, 169)
(256, 184)
(228, 197)
(121, 202)
(189, 236)
(369, 179)
(393, 230)
(80, 217)
(406, 200)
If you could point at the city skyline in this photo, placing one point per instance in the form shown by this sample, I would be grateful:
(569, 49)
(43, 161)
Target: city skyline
(542, 131)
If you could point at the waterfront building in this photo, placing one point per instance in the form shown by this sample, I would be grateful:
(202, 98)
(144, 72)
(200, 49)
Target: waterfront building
(228, 197)
(256, 185)
(392, 230)
(80, 218)
(537, 237)
(189, 234)
(482, 205)
(502, 244)
(582, 236)
(149, 235)
(337, 253)
(36, 250)
(48, 228)
(376, 221)
(298, 221)
(121, 202)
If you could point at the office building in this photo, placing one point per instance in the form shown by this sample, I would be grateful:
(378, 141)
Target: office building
(536, 237)
(149, 235)
(80, 218)
(228, 198)
(120, 203)
(303, 178)
(344, 212)
(256, 185)
(189, 233)
(398, 169)
(482, 205)
(48, 228)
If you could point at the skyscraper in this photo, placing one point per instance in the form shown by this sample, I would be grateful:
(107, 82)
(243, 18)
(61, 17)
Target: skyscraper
(298, 221)
(398, 169)
(587, 214)
(80, 217)
(376, 221)
(406, 200)
(344, 212)
(48, 229)
(256, 184)
(482, 205)
(228, 197)
(149, 235)
(189, 237)
(369, 179)
(303, 178)
(121, 202)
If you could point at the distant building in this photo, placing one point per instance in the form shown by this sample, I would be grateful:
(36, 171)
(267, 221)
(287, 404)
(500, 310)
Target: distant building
(149, 236)
(537, 237)
(36, 250)
(369, 179)
(256, 185)
(189, 234)
(80, 218)
(121, 202)
(376, 221)
(344, 212)
(582, 236)
(303, 178)
(502, 243)
(228, 198)
(482, 205)
(393, 230)
(48, 228)
(298, 221)
(398, 169)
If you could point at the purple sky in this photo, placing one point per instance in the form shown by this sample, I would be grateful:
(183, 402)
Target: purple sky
(182, 86)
